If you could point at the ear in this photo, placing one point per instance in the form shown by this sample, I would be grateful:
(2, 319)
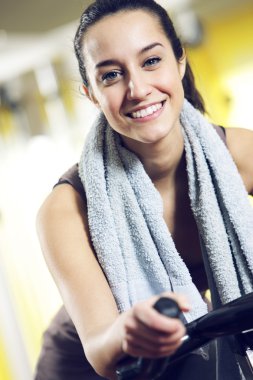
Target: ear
(88, 92)
(182, 65)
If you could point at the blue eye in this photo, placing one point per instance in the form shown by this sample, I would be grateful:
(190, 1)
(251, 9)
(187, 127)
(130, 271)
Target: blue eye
(152, 61)
(110, 76)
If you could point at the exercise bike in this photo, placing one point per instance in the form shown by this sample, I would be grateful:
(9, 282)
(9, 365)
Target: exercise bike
(235, 318)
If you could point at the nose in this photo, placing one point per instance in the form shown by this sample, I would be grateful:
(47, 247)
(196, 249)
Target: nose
(138, 87)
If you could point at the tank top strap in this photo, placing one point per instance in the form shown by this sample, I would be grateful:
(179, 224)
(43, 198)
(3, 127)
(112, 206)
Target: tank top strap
(221, 132)
(72, 178)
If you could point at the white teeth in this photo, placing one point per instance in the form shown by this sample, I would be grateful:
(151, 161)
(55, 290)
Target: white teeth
(143, 113)
(150, 110)
(147, 111)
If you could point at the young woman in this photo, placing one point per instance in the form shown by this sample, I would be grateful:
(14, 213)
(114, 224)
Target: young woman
(155, 206)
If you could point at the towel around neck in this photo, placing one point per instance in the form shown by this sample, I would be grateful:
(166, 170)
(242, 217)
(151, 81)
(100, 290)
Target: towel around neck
(130, 237)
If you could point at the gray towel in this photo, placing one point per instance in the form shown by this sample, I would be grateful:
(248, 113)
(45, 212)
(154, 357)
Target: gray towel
(128, 232)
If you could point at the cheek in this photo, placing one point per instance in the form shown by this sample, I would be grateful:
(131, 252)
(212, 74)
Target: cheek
(170, 80)
(111, 103)
(172, 83)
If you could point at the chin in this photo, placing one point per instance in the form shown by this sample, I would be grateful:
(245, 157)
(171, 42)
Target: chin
(153, 138)
(156, 135)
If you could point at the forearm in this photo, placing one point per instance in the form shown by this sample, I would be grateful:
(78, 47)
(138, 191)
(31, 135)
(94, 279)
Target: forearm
(139, 332)
(103, 348)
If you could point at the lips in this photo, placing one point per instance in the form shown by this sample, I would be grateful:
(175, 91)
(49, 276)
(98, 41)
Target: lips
(144, 112)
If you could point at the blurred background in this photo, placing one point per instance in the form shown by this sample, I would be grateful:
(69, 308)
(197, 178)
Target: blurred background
(44, 119)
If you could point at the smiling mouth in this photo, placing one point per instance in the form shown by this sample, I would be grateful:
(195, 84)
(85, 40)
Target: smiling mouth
(146, 111)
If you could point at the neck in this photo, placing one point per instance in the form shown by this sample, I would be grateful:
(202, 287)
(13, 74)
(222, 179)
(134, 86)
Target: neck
(162, 159)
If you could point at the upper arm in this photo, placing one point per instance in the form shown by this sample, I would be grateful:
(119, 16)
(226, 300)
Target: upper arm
(240, 145)
(64, 236)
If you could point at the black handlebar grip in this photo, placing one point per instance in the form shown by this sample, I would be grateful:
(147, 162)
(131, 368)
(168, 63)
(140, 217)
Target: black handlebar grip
(130, 368)
(168, 307)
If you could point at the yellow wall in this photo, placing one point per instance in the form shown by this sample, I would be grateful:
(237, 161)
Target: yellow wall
(227, 50)
(5, 371)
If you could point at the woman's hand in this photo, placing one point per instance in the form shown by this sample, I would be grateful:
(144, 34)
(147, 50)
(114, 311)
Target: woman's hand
(149, 334)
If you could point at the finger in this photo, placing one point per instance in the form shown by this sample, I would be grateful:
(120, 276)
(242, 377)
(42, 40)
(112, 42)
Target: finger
(134, 348)
(152, 319)
(170, 343)
(140, 331)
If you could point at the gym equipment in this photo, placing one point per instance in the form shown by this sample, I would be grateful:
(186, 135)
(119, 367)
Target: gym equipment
(235, 318)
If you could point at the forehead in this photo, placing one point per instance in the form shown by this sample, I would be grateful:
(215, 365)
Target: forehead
(122, 33)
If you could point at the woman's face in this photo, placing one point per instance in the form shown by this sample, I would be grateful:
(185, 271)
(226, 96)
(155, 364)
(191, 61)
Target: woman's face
(134, 77)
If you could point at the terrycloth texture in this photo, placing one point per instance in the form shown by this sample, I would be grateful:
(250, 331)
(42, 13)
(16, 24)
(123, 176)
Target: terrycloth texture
(130, 237)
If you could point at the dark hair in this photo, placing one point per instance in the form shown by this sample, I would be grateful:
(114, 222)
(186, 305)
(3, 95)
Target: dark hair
(101, 8)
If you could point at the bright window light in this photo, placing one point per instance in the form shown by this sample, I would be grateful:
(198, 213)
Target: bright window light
(239, 84)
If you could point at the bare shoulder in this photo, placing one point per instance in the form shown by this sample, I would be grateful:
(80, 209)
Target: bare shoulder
(62, 200)
(66, 245)
(240, 145)
(62, 211)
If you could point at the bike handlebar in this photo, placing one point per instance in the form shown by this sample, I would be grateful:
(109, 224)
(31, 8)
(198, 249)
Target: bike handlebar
(233, 318)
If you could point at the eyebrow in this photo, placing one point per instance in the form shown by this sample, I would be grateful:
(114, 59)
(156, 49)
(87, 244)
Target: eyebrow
(109, 62)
